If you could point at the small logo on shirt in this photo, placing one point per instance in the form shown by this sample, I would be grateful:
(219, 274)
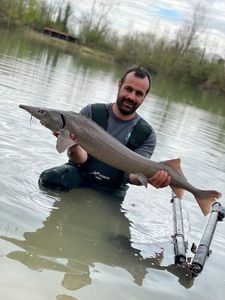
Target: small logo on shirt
(99, 176)
(128, 137)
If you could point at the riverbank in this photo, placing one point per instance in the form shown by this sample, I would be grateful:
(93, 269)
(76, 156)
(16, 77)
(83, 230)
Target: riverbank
(65, 45)
(211, 87)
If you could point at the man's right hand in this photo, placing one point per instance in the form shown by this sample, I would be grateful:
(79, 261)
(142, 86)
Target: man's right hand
(72, 135)
(56, 133)
(160, 179)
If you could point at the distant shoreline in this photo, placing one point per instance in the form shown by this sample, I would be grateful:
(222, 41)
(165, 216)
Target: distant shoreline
(85, 51)
(66, 45)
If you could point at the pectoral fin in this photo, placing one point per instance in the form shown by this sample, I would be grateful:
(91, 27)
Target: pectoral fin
(175, 164)
(179, 192)
(142, 179)
(64, 141)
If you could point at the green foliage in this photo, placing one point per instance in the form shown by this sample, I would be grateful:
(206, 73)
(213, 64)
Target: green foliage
(95, 27)
(162, 57)
(176, 59)
(216, 76)
(35, 14)
(61, 23)
(98, 39)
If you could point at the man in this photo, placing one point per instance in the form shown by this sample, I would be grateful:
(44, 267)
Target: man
(121, 120)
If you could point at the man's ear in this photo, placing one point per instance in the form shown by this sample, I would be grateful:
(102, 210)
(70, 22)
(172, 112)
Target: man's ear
(119, 84)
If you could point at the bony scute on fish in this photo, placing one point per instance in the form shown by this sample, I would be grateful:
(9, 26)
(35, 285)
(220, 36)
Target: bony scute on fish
(98, 143)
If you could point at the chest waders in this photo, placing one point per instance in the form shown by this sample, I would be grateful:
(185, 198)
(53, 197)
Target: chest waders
(100, 173)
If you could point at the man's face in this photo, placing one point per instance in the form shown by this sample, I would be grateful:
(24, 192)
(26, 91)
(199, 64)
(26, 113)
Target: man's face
(131, 93)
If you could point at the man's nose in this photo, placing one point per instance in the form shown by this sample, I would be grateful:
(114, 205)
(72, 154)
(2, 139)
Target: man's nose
(132, 95)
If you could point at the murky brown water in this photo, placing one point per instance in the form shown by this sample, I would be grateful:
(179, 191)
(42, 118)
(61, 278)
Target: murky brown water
(84, 244)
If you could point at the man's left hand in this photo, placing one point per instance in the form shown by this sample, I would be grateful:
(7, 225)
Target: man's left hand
(160, 179)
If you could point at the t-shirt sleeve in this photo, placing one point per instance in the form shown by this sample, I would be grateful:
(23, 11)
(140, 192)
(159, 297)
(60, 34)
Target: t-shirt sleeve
(86, 111)
(148, 147)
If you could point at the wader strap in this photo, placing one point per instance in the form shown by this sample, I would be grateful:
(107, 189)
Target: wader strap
(100, 114)
(140, 132)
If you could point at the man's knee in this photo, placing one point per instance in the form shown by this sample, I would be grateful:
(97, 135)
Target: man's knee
(52, 178)
(62, 178)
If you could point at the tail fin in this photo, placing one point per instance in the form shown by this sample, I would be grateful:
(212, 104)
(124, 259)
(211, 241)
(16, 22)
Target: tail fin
(206, 199)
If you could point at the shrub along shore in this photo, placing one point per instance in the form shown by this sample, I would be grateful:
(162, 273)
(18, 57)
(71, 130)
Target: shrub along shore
(176, 60)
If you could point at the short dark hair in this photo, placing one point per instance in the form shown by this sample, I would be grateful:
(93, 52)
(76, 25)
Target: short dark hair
(140, 72)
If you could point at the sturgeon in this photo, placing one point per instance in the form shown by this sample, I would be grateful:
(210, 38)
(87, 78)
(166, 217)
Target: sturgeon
(98, 143)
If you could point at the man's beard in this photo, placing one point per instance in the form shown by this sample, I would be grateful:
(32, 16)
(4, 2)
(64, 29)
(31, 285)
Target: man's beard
(126, 106)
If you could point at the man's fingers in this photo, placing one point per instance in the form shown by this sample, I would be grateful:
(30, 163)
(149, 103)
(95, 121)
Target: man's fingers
(56, 133)
(160, 179)
(166, 181)
(73, 137)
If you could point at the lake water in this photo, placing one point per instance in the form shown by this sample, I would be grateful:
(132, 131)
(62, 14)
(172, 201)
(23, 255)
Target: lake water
(84, 244)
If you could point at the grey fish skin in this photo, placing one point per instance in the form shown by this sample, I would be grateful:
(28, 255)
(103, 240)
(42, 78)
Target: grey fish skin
(98, 143)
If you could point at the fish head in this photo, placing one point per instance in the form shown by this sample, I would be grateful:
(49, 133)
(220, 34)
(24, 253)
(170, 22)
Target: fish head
(52, 119)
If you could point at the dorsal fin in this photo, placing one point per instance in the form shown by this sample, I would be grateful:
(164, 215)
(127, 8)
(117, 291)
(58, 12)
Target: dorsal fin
(175, 164)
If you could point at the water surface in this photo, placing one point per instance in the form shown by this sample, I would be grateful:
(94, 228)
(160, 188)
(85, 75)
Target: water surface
(85, 244)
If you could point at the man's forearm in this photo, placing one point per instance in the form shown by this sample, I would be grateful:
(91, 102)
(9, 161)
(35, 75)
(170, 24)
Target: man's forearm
(77, 154)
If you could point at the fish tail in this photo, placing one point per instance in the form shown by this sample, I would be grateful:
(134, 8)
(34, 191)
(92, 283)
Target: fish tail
(205, 200)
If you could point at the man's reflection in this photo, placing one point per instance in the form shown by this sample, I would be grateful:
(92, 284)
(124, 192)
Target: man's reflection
(85, 227)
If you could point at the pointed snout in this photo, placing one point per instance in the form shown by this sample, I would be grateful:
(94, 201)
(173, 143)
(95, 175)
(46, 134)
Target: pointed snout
(26, 107)
(52, 119)
(29, 109)
(34, 111)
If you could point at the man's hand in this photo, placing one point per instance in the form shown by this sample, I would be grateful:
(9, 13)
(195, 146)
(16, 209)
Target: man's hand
(72, 135)
(160, 179)
(56, 133)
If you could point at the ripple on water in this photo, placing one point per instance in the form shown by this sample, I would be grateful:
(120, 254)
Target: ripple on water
(43, 200)
(150, 213)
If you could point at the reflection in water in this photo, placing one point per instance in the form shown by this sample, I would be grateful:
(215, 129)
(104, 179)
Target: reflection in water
(87, 227)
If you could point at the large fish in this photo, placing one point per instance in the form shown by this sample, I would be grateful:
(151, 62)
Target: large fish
(98, 143)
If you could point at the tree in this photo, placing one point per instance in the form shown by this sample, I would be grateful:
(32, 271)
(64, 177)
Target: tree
(189, 33)
(68, 12)
(96, 25)
(63, 16)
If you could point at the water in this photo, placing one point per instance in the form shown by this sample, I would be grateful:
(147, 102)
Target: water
(84, 244)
